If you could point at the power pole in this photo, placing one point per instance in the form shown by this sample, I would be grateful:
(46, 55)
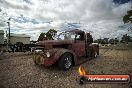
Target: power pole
(8, 39)
(9, 29)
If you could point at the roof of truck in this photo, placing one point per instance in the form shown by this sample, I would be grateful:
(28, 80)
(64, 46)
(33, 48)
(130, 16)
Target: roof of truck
(76, 31)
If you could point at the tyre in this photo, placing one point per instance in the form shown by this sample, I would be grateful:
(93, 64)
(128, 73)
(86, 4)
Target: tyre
(65, 62)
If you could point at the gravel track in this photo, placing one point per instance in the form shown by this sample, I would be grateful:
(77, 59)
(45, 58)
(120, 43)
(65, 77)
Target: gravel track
(18, 71)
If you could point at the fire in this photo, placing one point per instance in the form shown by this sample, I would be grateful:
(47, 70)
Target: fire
(81, 71)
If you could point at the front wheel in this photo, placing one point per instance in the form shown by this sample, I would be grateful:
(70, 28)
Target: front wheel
(65, 61)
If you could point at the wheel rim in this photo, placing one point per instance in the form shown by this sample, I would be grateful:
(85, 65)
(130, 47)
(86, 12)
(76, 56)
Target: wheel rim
(68, 62)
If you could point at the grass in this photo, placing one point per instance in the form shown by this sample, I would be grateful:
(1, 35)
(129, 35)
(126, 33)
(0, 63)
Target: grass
(118, 46)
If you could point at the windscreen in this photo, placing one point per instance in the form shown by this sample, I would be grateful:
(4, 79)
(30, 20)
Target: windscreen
(65, 36)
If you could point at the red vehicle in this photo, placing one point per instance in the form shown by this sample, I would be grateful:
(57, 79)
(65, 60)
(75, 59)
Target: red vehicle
(68, 49)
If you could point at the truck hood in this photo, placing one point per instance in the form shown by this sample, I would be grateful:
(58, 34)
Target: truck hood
(55, 42)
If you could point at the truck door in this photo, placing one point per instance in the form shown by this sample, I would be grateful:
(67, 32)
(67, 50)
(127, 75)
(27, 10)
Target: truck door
(89, 41)
(79, 45)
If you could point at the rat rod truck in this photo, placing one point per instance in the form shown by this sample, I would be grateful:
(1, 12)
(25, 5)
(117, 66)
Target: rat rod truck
(68, 49)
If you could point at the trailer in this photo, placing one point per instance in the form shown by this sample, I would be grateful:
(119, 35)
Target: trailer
(17, 43)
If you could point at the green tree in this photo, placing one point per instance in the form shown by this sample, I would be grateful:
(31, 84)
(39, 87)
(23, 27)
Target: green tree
(105, 40)
(41, 36)
(116, 40)
(100, 41)
(47, 36)
(113, 41)
(128, 17)
(51, 33)
(125, 39)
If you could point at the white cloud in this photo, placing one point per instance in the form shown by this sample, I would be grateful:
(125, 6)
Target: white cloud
(101, 17)
(14, 4)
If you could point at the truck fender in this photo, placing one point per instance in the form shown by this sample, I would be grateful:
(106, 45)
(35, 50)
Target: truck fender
(60, 52)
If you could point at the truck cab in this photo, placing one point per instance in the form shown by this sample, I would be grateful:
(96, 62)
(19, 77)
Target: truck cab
(69, 48)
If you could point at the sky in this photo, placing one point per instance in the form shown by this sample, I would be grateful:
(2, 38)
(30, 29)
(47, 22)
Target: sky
(102, 18)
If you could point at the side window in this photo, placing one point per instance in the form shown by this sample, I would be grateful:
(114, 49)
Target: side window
(80, 37)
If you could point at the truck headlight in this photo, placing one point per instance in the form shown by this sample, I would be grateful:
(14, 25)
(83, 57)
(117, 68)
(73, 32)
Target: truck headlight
(47, 54)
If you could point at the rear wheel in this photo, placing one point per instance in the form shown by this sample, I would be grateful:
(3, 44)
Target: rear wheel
(65, 61)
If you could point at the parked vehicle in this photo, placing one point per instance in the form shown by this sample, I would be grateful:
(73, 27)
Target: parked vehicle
(68, 49)
(18, 47)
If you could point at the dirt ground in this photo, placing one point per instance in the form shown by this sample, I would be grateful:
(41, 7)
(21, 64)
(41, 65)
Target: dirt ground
(18, 71)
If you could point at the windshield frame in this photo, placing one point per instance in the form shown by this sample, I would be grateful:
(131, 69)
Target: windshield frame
(66, 36)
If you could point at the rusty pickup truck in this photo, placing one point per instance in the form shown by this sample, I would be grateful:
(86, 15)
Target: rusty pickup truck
(70, 48)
